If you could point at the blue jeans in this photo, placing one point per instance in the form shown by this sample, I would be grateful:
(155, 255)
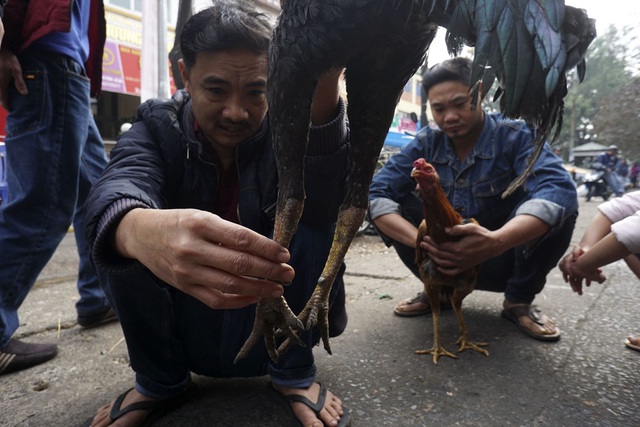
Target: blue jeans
(615, 182)
(170, 334)
(54, 154)
(519, 272)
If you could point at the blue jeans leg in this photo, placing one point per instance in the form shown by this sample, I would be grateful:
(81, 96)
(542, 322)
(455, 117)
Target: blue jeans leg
(614, 182)
(47, 133)
(92, 162)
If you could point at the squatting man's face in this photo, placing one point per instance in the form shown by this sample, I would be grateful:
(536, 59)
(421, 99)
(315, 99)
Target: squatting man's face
(451, 109)
(228, 93)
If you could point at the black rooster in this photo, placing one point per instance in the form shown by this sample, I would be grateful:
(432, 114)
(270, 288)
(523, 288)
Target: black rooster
(527, 45)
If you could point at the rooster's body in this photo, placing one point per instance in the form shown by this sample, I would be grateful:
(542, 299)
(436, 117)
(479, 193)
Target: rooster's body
(439, 214)
(528, 45)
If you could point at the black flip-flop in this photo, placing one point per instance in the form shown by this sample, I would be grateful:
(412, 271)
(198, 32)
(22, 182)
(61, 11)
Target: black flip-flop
(156, 408)
(345, 419)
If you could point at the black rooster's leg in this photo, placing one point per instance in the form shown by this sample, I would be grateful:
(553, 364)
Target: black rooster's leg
(316, 311)
(372, 100)
(290, 133)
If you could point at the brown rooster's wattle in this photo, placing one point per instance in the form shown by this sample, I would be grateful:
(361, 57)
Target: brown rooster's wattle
(439, 214)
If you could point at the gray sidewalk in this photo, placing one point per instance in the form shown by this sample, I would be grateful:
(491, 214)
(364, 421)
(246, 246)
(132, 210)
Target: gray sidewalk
(588, 378)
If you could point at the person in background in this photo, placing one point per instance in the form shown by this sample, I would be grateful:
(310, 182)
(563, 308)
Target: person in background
(54, 154)
(613, 234)
(623, 171)
(633, 174)
(608, 162)
(519, 239)
(179, 226)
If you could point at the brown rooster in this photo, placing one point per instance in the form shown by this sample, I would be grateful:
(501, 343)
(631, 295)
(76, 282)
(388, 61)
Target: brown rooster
(439, 214)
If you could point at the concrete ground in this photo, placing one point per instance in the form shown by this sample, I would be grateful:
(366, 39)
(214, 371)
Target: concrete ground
(588, 378)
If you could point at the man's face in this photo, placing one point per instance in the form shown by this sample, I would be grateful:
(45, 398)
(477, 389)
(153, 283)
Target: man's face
(228, 93)
(451, 108)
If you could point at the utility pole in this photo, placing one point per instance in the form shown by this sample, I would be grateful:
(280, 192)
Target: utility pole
(154, 73)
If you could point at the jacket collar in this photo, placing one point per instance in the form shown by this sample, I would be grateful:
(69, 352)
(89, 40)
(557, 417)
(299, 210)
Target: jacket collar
(484, 148)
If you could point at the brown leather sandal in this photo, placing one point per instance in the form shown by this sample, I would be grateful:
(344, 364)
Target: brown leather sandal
(532, 312)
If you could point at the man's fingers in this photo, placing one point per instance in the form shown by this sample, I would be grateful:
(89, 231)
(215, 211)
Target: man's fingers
(240, 263)
(247, 240)
(232, 292)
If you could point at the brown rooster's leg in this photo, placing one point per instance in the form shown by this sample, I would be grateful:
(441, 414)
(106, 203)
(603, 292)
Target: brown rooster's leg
(463, 341)
(437, 350)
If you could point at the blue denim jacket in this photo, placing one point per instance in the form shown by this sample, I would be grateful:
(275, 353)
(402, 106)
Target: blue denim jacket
(475, 185)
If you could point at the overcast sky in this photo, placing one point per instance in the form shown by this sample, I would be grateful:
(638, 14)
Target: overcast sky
(606, 12)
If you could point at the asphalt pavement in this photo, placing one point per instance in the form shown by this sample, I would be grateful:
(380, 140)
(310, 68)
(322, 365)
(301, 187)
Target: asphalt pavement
(588, 378)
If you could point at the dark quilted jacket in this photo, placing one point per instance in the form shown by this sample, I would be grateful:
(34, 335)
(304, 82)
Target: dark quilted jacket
(159, 163)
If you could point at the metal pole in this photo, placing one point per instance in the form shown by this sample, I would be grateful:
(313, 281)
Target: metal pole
(149, 56)
(163, 61)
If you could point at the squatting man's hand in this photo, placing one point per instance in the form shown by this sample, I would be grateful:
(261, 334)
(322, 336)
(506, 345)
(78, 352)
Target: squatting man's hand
(222, 264)
(476, 244)
(573, 274)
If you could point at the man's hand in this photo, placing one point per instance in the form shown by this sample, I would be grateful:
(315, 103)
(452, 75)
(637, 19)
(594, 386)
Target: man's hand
(222, 264)
(10, 71)
(476, 244)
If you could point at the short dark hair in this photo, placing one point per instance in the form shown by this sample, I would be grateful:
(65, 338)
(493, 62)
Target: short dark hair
(454, 69)
(224, 26)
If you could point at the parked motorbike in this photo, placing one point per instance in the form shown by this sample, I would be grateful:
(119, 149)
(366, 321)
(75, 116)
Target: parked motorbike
(596, 185)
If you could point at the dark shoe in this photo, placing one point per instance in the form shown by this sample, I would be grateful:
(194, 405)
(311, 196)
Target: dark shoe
(18, 355)
(95, 319)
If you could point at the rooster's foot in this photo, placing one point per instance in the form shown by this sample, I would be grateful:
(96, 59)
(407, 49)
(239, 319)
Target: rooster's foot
(475, 346)
(315, 313)
(437, 351)
(273, 317)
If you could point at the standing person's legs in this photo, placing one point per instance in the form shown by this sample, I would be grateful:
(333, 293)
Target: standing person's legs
(92, 307)
(44, 141)
(43, 151)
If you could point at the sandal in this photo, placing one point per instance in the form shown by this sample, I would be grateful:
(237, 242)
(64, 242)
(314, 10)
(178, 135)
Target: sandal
(532, 312)
(417, 306)
(633, 343)
(156, 408)
(345, 420)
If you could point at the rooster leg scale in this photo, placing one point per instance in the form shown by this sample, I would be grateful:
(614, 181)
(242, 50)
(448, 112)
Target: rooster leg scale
(463, 341)
(437, 350)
